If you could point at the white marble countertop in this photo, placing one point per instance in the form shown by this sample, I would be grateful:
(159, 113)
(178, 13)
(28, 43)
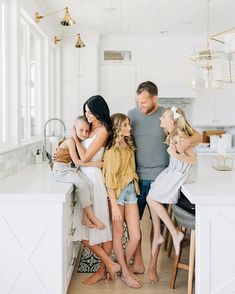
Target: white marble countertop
(34, 183)
(207, 149)
(212, 186)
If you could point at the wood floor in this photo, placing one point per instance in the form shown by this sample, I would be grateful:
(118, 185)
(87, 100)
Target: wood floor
(164, 272)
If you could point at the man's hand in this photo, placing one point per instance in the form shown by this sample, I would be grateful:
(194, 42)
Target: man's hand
(172, 150)
(182, 145)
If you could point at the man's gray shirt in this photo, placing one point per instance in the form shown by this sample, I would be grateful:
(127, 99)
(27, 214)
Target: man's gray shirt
(151, 154)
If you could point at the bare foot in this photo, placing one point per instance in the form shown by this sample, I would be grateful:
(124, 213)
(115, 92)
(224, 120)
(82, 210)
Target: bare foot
(86, 222)
(96, 277)
(130, 282)
(177, 240)
(98, 224)
(137, 268)
(152, 276)
(113, 271)
(156, 242)
(133, 276)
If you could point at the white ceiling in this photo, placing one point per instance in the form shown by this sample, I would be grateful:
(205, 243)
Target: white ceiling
(144, 17)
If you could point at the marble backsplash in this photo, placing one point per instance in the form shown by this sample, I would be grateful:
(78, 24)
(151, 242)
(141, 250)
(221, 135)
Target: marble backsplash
(15, 160)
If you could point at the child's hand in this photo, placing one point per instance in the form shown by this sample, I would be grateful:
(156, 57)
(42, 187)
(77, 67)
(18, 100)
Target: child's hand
(116, 213)
(172, 150)
(99, 163)
(73, 133)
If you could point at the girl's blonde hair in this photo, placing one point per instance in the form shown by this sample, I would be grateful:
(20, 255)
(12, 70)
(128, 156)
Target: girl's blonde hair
(182, 126)
(117, 123)
(81, 118)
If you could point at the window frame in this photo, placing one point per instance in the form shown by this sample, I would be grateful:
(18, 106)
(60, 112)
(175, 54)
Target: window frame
(3, 100)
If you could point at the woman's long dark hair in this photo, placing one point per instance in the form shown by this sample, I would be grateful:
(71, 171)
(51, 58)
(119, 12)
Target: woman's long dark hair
(99, 108)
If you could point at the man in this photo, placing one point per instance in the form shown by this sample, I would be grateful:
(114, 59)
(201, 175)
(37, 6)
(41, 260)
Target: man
(151, 157)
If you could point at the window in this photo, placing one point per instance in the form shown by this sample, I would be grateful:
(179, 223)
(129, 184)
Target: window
(31, 69)
(2, 74)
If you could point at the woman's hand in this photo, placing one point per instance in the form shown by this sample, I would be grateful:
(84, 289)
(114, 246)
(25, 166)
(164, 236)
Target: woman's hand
(116, 213)
(98, 163)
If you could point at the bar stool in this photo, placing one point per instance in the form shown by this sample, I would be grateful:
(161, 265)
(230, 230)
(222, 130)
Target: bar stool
(186, 221)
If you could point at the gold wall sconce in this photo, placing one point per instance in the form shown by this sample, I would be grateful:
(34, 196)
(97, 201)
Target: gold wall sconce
(79, 42)
(67, 19)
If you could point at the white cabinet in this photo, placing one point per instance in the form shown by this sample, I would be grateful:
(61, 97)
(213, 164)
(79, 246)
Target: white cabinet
(37, 251)
(117, 86)
(166, 63)
(79, 79)
(79, 63)
(214, 107)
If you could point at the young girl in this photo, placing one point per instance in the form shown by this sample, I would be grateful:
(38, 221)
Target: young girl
(63, 172)
(121, 183)
(182, 169)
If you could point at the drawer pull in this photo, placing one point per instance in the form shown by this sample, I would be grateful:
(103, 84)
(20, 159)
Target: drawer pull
(73, 203)
(72, 231)
(72, 263)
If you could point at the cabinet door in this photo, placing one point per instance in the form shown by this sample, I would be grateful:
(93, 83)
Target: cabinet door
(70, 62)
(86, 90)
(225, 105)
(204, 111)
(89, 62)
(117, 85)
(70, 102)
(214, 107)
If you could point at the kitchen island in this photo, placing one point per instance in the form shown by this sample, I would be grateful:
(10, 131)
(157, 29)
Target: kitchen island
(37, 250)
(214, 196)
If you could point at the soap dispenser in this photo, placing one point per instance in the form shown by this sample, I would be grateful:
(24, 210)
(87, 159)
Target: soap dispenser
(38, 156)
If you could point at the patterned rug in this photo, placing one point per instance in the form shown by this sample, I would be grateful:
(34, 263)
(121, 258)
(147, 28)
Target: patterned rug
(89, 263)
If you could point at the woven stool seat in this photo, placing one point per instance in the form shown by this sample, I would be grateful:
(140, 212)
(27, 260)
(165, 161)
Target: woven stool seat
(183, 217)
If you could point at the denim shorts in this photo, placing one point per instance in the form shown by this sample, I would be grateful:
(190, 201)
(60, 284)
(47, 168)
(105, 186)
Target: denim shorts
(128, 195)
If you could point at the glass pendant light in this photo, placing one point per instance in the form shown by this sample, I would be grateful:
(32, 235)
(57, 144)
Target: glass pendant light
(227, 40)
(207, 65)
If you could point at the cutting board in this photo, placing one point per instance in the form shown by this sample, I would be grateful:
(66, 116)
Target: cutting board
(206, 135)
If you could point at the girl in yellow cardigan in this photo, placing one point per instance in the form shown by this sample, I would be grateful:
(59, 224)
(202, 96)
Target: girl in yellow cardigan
(121, 183)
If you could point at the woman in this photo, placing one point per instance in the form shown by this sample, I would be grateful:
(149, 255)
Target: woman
(97, 114)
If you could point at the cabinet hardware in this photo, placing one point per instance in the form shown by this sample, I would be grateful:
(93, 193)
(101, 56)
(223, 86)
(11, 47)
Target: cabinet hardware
(73, 261)
(72, 231)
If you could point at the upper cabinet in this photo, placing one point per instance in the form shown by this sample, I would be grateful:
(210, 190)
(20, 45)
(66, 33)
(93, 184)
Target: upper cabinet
(79, 79)
(215, 107)
(79, 63)
(168, 64)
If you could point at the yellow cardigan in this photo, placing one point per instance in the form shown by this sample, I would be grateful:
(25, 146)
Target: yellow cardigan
(119, 169)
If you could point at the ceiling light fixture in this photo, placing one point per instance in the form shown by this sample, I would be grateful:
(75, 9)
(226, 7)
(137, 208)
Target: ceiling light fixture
(206, 63)
(227, 39)
(79, 42)
(67, 19)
